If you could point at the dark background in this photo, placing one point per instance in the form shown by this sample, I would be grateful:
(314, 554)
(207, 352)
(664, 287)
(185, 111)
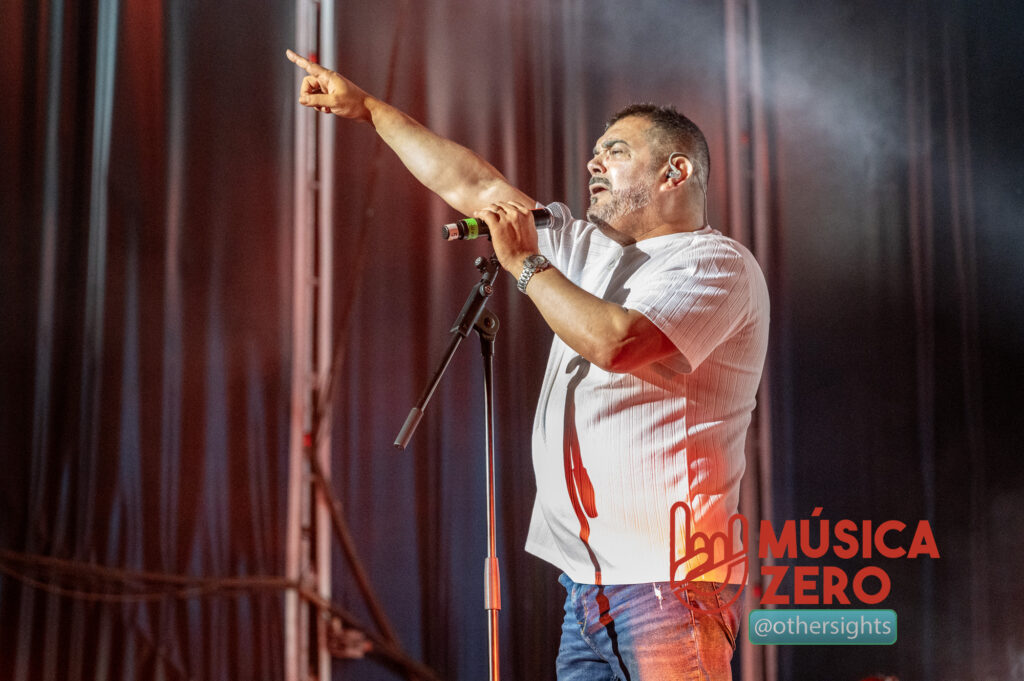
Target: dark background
(146, 202)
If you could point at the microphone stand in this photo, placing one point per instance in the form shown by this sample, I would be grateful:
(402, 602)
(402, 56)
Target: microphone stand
(475, 315)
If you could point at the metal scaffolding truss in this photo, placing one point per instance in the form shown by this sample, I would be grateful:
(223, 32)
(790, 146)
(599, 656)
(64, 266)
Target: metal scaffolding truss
(317, 630)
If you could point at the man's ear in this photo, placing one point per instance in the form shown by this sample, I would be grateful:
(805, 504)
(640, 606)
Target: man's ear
(680, 168)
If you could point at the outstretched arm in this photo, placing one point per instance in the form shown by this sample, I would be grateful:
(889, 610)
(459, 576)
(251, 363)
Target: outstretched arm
(464, 180)
(608, 335)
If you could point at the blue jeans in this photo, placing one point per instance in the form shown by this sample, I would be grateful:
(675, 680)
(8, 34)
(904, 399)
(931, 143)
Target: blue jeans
(644, 632)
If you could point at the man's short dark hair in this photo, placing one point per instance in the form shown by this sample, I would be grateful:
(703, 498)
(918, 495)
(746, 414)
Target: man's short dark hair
(672, 131)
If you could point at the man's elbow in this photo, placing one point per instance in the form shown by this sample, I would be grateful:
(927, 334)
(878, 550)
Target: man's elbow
(618, 358)
(470, 196)
(633, 348)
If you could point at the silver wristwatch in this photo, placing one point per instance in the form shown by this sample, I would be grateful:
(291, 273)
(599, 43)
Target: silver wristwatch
(531, 266)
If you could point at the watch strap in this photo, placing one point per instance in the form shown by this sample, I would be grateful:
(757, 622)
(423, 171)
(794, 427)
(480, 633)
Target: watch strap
(531, 265)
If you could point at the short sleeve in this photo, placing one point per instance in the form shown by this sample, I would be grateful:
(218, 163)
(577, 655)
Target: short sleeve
(698, 299)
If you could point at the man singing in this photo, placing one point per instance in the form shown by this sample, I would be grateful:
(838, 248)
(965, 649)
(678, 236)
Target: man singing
(661, 328)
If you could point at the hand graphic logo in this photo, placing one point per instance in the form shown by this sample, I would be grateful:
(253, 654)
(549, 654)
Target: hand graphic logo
(702, 554)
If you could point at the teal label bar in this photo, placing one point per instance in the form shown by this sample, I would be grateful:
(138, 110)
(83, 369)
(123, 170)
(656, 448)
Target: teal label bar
(842, 627)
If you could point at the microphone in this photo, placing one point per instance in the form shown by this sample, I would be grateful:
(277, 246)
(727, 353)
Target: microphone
(474, 228)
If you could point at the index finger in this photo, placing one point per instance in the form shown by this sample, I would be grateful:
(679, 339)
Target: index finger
(303, 63)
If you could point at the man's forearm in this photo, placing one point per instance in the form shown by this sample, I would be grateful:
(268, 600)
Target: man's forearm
(610, 336)
(463, 179)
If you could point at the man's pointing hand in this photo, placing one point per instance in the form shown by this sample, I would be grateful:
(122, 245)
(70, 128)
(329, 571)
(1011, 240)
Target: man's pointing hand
(329, 92)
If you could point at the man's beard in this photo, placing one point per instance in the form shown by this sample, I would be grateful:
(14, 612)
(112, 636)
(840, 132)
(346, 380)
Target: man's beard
(619, 204)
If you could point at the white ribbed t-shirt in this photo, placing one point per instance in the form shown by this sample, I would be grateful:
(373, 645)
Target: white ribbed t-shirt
(613, 452)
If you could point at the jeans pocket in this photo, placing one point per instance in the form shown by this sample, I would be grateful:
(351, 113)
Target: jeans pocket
(729, 608)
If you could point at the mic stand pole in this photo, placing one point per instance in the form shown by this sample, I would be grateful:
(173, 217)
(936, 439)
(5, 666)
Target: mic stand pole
(475, 315)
